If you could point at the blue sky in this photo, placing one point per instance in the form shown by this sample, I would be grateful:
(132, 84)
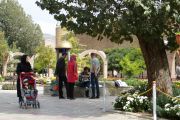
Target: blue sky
(43, 18)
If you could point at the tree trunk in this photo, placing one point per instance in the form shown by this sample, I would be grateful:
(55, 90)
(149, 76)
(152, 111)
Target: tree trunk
(5, 64)
(4, 69)
(157, 64)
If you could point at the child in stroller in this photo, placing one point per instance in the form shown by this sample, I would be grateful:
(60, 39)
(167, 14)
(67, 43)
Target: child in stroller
(28, 90)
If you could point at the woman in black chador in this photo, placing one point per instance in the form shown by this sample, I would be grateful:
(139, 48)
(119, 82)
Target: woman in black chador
(23, 66)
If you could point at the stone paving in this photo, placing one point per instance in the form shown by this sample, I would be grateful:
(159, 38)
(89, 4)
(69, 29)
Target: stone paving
(54, 109)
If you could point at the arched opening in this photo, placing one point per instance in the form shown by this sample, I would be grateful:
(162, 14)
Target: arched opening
(102, 55)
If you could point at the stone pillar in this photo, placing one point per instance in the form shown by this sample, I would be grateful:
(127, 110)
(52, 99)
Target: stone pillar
(171, 61)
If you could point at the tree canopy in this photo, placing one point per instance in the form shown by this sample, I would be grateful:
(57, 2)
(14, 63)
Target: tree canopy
(116, 18)
(19, 27)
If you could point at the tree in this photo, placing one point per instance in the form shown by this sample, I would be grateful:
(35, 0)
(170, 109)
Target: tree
(19, 27)
(114, 58)
(46, 58)
(128, 60)
(133, 63)
(121, 20)
(4, 54)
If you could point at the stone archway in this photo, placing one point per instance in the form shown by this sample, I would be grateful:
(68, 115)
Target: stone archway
(102, 55)
(172, 62)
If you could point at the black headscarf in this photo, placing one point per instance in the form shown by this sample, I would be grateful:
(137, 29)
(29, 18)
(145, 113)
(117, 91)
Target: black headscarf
(23, 59)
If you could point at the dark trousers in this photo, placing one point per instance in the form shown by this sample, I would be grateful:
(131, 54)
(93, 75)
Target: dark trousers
(86, 86)
(94, 84)
(63, 79)
(18, 89)
(71, 90)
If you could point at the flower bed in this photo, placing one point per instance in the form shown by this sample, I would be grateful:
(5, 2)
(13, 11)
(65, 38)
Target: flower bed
(132, 103)
(166, 107)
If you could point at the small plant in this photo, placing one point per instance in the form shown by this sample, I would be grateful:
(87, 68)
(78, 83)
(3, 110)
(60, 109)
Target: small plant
(168, 109)
(9, 87)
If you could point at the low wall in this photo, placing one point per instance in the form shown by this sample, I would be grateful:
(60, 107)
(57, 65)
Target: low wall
(80, 92)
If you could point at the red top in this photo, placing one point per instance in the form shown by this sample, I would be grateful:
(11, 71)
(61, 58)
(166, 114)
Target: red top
(72, 74)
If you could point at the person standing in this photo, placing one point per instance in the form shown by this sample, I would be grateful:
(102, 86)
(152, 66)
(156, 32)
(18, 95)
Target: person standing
(60, 73)
(72, 75)
(95, 68)
(23, 66)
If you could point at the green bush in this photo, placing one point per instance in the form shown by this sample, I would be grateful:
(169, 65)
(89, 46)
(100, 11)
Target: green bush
(9, 87)
(168, 108)
(139, 85)
(1, 79)
(176, 90)
(132, 103)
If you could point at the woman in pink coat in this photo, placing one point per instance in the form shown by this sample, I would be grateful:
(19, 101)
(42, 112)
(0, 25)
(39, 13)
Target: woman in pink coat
(72, 75)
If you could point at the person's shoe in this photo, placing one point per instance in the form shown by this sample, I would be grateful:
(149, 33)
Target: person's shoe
(97, 97)
(72, 98)
(87, 94)
(61, 97)
(92, 97)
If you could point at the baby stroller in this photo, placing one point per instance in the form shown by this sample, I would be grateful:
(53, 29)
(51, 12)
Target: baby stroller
(29, 92)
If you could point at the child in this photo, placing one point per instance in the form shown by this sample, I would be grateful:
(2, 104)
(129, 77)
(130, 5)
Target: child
(85, 80)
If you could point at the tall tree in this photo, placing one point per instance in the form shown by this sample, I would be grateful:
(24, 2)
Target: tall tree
(46, 58)
(4, 54)
(133, 63)
(148, 20)
(19, 27)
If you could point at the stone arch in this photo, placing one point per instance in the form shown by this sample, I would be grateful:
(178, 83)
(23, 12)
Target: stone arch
(102, 55)
(172, 62)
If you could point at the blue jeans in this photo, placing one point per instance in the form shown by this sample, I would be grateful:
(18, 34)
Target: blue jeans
(94, 84)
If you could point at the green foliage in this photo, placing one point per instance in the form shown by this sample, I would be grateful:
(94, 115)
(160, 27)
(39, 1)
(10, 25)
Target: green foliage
(133, 63)
(167, 107)
(19, 27)
(139, 85)
(129, 60)
(83, 62)
(176, 90)
(114, 58)
(46, 58)
(148, 20)
(1, 79)
(70, 36)
(9, 87)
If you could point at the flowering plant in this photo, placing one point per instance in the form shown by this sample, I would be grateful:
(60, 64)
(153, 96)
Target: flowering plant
(132, 103)
(172, 109)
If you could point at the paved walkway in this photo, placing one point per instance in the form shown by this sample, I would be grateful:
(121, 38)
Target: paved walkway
(54, 109)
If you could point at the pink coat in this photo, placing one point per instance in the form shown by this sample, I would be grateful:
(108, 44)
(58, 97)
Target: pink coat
(72, 74)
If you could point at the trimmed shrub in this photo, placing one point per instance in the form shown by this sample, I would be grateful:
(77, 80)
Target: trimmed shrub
(9, 87)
